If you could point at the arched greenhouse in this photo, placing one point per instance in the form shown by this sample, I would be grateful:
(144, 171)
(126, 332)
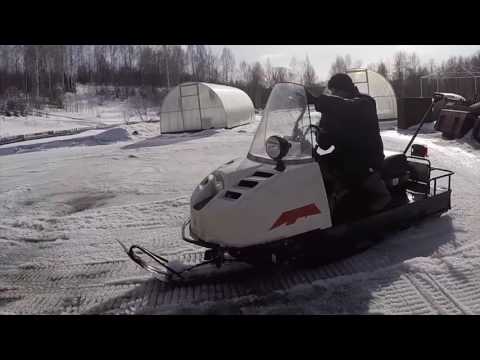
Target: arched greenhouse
(372, 83)
(196, 106)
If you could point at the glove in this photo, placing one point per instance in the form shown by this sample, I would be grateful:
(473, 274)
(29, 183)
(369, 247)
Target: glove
(322, 137)
(437, 97)
(324, 141)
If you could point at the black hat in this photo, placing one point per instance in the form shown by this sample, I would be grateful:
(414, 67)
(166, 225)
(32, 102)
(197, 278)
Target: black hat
(341, 81)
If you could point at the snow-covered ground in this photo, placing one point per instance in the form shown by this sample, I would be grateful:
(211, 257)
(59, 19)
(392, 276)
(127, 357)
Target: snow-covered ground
(90, 113)
(63, 208)
(12, 126)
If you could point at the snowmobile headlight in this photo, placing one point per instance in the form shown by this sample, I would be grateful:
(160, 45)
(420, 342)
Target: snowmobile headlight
(207, 190)
(218, 181)
(213, 183)
(277, 147)
(205, 181)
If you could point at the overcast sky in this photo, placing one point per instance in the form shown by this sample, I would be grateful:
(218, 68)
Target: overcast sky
(322, 56)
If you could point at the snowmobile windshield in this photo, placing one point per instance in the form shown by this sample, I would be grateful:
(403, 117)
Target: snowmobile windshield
(285, 115)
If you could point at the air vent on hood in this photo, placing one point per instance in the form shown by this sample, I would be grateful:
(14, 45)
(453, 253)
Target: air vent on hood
(199, 206)
(262, 174)
(248, 183)
(232, 195)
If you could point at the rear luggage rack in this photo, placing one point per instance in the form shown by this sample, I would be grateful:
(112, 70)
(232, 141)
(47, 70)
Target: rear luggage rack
(421, 180)
(420, 170)
(446, 174)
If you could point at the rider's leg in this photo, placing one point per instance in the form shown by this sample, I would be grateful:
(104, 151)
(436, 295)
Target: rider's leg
(377, 192)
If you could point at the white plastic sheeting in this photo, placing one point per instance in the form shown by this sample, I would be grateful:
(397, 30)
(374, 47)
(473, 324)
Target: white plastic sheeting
(372, 83)
(196, 106)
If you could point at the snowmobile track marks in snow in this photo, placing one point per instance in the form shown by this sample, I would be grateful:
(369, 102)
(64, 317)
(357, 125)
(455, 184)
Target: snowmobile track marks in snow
(464, 310)
(429, 293)
(85, 216)
(121, 287)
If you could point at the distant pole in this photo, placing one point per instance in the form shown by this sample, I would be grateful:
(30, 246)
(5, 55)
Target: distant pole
(166, 64)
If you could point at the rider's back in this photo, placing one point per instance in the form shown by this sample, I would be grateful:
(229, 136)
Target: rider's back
(352, 125)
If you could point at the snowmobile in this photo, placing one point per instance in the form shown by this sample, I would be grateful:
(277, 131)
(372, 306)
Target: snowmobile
(275, 207)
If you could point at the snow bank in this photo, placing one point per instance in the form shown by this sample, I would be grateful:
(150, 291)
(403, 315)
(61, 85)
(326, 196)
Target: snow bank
(427, 128)
(13, 126)
(470, 140)
(104, 138)
(171, 139)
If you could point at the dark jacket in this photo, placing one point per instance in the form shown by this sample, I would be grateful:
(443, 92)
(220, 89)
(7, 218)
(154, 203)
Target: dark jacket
(351, 125)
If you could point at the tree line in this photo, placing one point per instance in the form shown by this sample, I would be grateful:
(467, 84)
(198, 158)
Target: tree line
(43, 73)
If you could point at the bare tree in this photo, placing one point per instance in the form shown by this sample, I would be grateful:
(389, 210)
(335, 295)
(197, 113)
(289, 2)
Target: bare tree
(191, 60)
(274, 74)
(37, 72)
(382, 69)
(212, 66)
(399, 65)
(177, 64)
(293, 71)
(245, 72)
(201, 62)
(339, 66)
(228, 65)
(268, 73)
(342, 64)
(279, 74)
(256, 85)
(308, 77)
(348, 62)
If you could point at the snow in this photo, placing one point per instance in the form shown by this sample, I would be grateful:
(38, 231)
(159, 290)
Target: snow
(11, 126)
(92, 139)
(427, 128)
(64, 207)
(177, 266)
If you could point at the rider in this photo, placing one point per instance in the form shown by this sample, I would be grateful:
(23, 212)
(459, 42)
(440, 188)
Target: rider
(349, 122)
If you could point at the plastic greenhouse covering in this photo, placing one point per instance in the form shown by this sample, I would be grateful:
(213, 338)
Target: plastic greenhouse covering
(372, 83)
(197, 106)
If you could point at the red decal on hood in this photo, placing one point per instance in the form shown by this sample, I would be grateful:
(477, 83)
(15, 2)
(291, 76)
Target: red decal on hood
(290, 217)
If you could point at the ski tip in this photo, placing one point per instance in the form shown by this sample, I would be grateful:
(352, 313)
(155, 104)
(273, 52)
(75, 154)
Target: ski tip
(122, 245)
